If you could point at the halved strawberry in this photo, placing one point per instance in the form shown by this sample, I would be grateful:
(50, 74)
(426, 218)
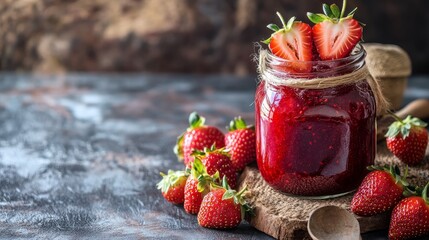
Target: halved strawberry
(293, 42)
(335, 36)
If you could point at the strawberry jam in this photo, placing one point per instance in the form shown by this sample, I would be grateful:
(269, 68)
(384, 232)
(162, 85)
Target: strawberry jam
(315, 143)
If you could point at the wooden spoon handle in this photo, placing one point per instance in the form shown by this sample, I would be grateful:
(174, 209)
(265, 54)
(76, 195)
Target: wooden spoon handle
(418, 108)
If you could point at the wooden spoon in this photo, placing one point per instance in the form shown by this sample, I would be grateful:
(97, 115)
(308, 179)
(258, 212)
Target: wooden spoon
(333, 223)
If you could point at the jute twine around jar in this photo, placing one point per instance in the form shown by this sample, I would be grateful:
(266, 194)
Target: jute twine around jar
(322, 83)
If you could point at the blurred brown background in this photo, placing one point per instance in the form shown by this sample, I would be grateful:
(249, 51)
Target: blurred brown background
(185, 36)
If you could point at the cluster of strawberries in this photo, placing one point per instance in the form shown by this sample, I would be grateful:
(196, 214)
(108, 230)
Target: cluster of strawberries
(385, 189)
(213, 161)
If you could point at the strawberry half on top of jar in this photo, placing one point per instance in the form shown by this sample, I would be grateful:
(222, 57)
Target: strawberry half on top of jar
(335, 35)
(292, 42)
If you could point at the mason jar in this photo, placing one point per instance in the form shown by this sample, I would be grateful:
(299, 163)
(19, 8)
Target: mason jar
(315, 124)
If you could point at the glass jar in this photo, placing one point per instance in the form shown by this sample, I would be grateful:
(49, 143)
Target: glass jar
(315, 143)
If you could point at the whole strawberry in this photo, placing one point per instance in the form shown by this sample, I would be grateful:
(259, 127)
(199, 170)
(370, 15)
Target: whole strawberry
(172, 186)
(197, 137)
(241, 143)
(379, 192)
(410, 218)
(218, 160)
(407, 139)
(334, 34)
(197, 186)
(222, 208)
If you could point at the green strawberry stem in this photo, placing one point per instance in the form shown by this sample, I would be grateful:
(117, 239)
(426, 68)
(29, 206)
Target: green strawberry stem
(343, 9)
(395, 116)
(242, 191)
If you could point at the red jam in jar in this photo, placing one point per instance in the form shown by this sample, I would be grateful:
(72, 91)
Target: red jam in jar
(315, 143)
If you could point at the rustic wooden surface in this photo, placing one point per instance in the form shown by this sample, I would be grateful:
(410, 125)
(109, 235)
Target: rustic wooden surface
(285, 217)
(80, 154)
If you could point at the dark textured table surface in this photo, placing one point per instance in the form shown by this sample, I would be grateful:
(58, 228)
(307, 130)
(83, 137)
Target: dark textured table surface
(80, 154)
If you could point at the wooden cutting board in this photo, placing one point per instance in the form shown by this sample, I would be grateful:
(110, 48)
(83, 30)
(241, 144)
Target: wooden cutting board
(286, 217)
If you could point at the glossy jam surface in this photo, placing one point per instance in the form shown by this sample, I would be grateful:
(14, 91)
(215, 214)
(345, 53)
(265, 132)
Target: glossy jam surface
(315, 142)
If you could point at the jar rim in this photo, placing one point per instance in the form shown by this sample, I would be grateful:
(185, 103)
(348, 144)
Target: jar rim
(357, 53)
(315, 69)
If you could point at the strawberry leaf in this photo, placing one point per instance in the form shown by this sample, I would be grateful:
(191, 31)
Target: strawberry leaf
(327, 11)
(171, 178)
(228, 194)
(216, 176)
(290, 23)
(393, 130)
(415, 121)
(397, 170)
(405, 132)
(273, 27)
(201, 186)
(335, 10)
(266, 41)
(225, 183)
(353, 12)
(198, 168)
(411, 191)
(404, 126)
(237, 197)
(240, 123)
(316, 18)
(195, 120)
(424, 193)
(237, 123)
(178, 148)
